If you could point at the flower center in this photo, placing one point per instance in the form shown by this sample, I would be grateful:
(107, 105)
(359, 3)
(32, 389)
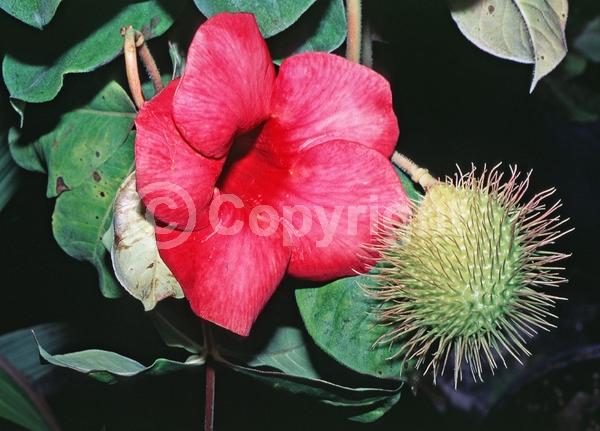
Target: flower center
(240, 148)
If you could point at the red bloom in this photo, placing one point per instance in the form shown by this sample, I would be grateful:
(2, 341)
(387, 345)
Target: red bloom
(259, 175)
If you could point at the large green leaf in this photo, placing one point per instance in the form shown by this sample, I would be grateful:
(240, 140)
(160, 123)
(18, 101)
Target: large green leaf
(339, 317)
(322, 28)
(110, 367)
(83, 214)
(83, 37)
(9, 177)
(36, 13)
(87, 155)
(273, 16)
(82, 141)
(527, 31)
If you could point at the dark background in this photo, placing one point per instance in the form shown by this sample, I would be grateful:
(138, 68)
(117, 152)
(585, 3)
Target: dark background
(455, 104)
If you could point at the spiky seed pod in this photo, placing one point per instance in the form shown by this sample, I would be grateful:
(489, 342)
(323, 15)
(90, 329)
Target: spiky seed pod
(465, 277)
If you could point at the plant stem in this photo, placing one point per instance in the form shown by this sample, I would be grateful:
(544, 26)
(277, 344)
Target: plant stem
(131, 65)
(209, 394)
(367, 44)
(415, 172)
(353, 15)
(210, 376)
(148, 61)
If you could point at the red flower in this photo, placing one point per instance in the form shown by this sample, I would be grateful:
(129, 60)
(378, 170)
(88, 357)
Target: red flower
(259, 175)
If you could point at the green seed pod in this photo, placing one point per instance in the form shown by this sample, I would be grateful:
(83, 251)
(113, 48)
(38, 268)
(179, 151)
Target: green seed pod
(465, 278)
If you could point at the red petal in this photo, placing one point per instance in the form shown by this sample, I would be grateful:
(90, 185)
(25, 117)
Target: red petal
(320, 97)
(227, 279)
(174, 181)
(341, 190)
(227, 84)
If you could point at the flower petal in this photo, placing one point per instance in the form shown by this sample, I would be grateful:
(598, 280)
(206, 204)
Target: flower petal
(174, 181)
(320, 97)
(227, 84)
(338, 193)
(227, 279)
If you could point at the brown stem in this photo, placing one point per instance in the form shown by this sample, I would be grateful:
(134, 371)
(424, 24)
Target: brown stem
(415, 172)
(209, 397)
(209, 392)
(131, 65)
(148, 61)
(353, 15)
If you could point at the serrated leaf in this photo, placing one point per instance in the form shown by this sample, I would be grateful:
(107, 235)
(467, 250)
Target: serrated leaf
(273, 16)
(110, 367)
(527, 31)
(134, 252)
(36, 13)
(83, 37)
(322, 28)
(588, 41)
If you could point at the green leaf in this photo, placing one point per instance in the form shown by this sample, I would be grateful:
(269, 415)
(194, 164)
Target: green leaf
(361, 404)
(284, 362)
(16, 404)
(527, 31)
(36, 13)
(83, 37)
(588, 42)
(9, 175)
(19, 363)
(83, 214)
(19, 348)
(26, 155)
(322, 28)
(85, 139)
(339, 317)
(285, 350)
(110, 367)
(273, 16)
(87, 155)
